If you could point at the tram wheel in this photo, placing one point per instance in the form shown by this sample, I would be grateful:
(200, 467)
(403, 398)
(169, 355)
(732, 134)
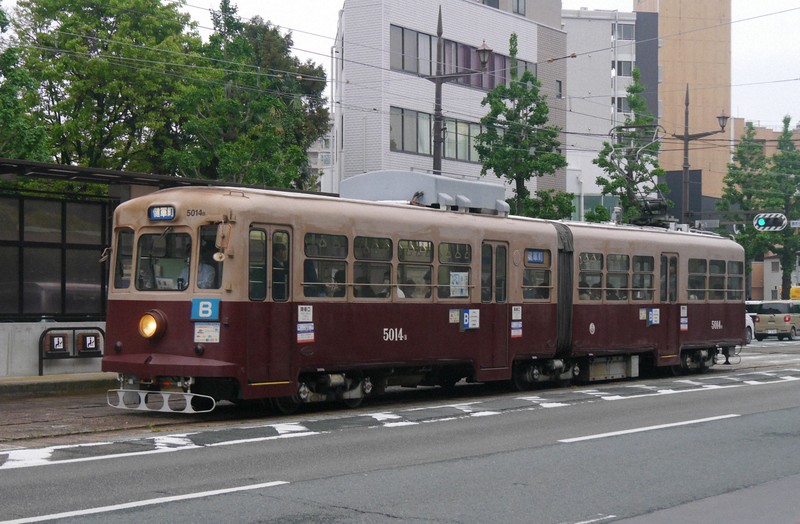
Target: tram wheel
(286, 405)
(519, 381)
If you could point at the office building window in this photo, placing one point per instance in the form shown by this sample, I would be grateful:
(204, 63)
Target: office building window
(518, 6)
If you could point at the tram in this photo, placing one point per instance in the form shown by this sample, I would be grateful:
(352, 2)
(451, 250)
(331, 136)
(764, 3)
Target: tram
(234, 294)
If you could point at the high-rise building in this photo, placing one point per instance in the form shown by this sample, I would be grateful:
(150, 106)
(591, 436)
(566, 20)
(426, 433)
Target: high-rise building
(694, 51)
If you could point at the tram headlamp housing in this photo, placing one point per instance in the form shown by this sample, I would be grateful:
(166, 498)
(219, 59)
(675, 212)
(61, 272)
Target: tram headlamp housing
(152, 324)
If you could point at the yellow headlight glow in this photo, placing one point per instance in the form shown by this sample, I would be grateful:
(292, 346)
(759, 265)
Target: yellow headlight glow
(152, 324)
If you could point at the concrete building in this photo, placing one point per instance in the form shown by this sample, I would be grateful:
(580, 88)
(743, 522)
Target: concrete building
(608, 45)
(694, 40)
(383, 104)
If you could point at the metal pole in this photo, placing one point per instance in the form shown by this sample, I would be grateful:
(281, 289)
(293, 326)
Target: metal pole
(438, 135)
(685, 180)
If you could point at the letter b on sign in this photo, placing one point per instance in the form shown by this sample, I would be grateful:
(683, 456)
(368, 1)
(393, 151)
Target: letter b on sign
(205, 309)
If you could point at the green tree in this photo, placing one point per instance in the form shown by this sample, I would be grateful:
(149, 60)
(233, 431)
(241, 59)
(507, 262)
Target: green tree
(253, 121)
(20, 135)
(517, 144)
(105, 72)
(631, 162)
(550, 204)
(756, 184)
(744, 188)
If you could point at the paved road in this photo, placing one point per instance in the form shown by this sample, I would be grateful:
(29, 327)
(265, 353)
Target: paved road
(74, 417)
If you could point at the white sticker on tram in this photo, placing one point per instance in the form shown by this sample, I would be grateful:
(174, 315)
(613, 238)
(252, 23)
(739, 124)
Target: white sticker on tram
(142, 503)
(648, 428)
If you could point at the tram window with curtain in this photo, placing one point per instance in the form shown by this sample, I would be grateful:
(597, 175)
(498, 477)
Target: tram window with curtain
(536, 275)
(698, 274)
(414, 269)
(325, 269)
(590, 276)
(454, 270)
(735, 282)
(716, 279)
(643, 279)
(617, 277)
(373, 262)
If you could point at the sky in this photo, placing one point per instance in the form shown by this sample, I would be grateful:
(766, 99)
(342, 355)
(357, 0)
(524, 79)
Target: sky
(765, 39)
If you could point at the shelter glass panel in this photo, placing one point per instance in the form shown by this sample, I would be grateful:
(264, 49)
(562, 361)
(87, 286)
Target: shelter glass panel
(42, 221)
(9, 219)
(9, 284)
(83, 282)
(41, 281)
(84, 223)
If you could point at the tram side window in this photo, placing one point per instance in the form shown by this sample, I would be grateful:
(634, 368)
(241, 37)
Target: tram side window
(617, 277)
(735, 280)
(642, 281)
(697, 278)
(536, 275)
(373, 256)
(414, 268)
(590, 276)
(325, 269)
(454, 270)
(123, 262)
(716, 280)
(280, 266)
(257, 264)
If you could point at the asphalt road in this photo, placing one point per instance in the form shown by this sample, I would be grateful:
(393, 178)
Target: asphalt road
(719, 447)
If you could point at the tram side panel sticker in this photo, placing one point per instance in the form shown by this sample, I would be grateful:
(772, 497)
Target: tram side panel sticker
(305, 313)
(470, 319)
(516, 329)
(207, 332)
(305, 332)
(653, 317)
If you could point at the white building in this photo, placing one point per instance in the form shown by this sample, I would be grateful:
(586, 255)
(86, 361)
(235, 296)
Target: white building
(383, 105)
(608, 45)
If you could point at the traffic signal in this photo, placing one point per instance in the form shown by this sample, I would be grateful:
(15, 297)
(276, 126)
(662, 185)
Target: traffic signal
(769, 221)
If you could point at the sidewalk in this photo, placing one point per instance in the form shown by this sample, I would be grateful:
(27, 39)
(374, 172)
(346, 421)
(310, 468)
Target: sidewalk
(57, 384)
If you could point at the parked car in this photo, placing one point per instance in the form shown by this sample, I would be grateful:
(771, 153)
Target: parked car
(749, 328)
(778, 318)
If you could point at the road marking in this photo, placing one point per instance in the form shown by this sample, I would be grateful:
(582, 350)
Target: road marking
(142, 503)
(648, 428)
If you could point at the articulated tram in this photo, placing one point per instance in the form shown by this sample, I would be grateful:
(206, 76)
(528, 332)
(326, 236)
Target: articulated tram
(238, 294)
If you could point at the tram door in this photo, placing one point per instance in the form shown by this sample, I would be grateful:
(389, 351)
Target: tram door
(494, 297)
(269, 320)
(668, 296)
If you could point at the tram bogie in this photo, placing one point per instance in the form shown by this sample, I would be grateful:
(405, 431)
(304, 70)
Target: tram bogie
(220, 294)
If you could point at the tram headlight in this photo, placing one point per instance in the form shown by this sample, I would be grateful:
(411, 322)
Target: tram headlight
(152, 324)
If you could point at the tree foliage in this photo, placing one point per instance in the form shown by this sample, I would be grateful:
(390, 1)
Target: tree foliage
(129, 84)
(754, 184)
(517, 143)
(631, 162)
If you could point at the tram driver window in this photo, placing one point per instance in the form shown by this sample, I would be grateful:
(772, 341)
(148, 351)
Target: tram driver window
(735, 282)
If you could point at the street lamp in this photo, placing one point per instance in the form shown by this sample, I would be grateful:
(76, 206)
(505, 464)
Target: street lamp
(440, 78)
(686, 137)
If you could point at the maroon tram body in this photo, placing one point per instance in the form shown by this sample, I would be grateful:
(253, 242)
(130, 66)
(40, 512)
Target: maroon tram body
(304, 297)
